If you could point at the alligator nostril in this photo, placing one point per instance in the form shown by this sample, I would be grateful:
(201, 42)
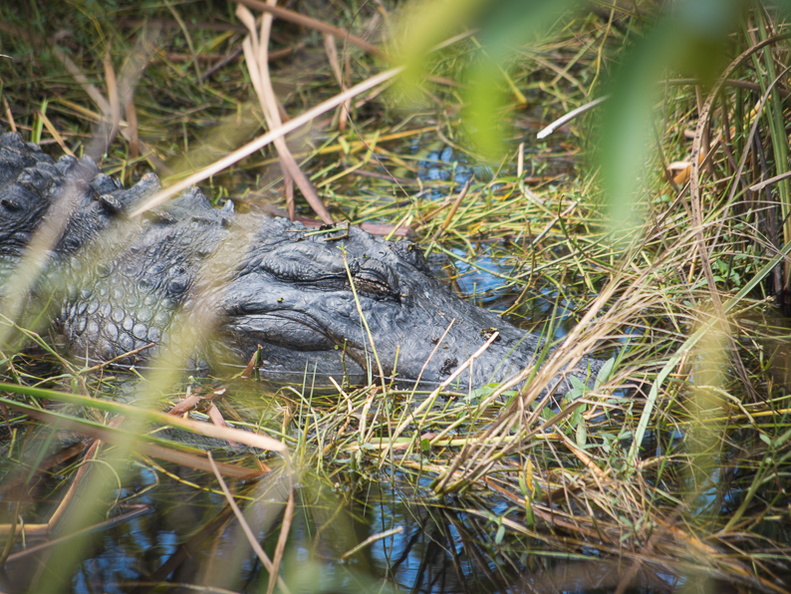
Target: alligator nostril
(487, 333)
(448, 366)
(110, 204)
(10, 204)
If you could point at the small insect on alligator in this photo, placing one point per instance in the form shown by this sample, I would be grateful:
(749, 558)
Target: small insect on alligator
(331, 303)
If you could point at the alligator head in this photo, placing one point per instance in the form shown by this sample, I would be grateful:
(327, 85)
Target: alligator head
(326, 300)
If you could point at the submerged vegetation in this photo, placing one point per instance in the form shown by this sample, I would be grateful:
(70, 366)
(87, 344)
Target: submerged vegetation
(672, 472)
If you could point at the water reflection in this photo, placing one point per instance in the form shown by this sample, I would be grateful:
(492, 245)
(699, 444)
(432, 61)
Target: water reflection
(446, 164)
(442, 548)
(189, 539)
(487, 279)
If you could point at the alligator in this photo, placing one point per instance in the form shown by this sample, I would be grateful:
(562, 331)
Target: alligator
(335, 301)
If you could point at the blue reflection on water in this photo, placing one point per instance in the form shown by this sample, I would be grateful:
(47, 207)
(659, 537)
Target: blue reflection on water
(449, 166)
(444, 165)
(482, 279)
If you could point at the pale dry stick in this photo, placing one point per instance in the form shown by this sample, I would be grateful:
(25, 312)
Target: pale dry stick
(255, 52)
(114, 115)
(547, 130)
(285, 528)
(311, 23)
(372, 539)
(251, 538)
(768, 182)
(332, 56)
(520, 161)
(263, 140)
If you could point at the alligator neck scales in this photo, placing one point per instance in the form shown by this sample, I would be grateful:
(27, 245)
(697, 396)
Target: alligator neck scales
(331, 303)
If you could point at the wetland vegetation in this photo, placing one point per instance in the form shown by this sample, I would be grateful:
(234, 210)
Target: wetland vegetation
(653, 229)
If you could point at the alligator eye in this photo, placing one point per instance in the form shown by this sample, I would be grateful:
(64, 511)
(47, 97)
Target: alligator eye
(373, 284)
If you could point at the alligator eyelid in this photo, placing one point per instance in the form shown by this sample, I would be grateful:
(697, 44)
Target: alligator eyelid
(375, 289)
(376, 286)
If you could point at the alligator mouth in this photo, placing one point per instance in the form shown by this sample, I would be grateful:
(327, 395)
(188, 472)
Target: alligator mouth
(280, 328)
(276, 332)
(322, 351)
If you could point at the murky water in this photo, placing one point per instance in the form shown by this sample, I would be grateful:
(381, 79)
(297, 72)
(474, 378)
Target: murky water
(170, 531)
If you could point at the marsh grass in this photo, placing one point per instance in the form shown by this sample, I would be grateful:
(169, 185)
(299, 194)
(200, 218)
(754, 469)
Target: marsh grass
(675, 462)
